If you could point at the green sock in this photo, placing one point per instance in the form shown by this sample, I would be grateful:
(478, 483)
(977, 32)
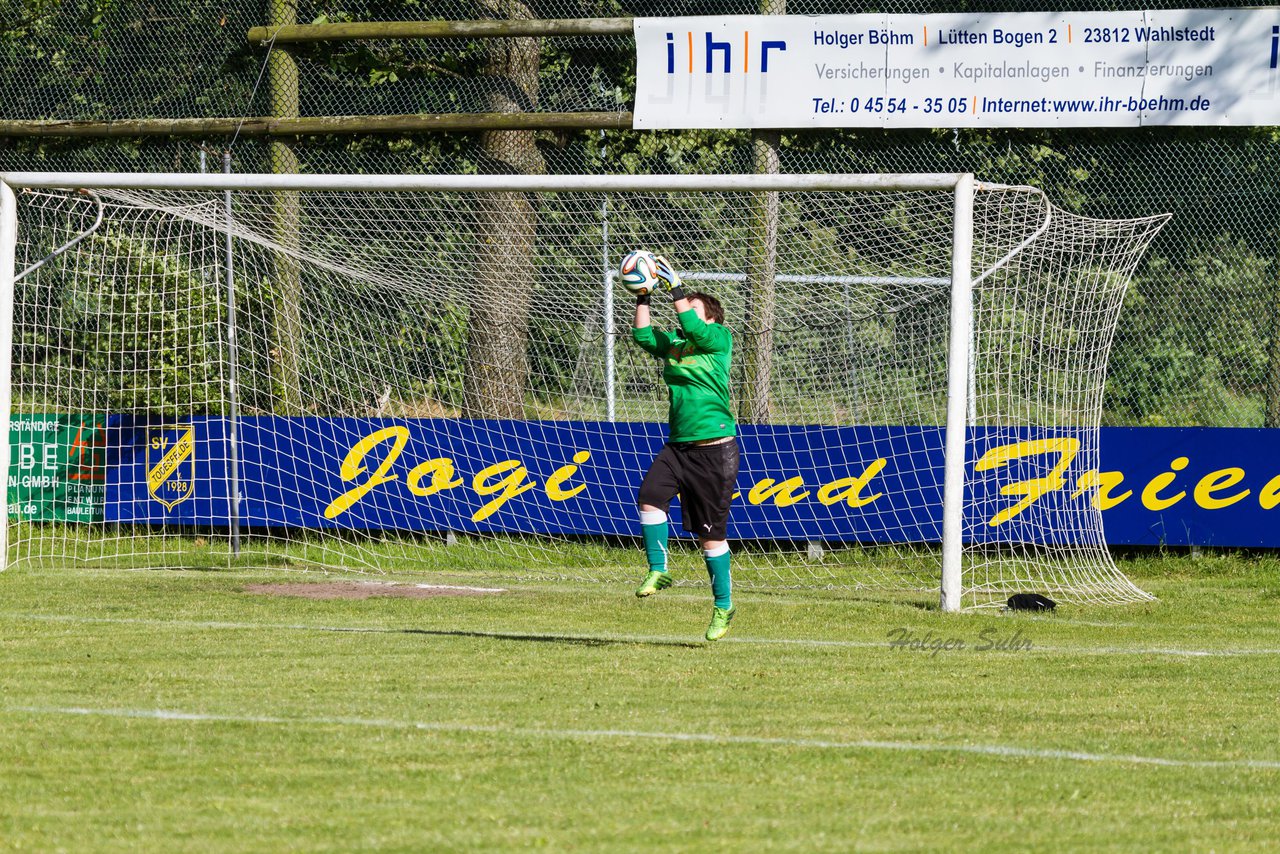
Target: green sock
(655, 539)
(721, 584)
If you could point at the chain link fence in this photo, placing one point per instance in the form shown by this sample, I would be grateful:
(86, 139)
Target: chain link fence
(1199, 342)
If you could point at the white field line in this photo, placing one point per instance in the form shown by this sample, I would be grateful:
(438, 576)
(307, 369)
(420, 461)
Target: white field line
(467, 588)
(428, 586)
(997, 750)
(456, 587)
(464, 587)
(610, 637)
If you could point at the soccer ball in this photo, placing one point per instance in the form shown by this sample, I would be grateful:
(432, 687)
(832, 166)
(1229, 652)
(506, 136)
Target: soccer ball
(638, 272)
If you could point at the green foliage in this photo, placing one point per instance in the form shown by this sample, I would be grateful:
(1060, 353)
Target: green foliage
(128, 327)
(109, 59)
(1197, 340)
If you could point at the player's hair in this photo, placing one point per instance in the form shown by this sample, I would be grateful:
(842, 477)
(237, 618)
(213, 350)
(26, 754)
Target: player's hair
(715, 311)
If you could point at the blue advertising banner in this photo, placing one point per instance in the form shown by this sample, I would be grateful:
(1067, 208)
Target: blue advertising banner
(1191, 486)
(516, 477)
(1154, 486)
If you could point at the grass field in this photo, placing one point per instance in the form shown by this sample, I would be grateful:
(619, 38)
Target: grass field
(177, 711)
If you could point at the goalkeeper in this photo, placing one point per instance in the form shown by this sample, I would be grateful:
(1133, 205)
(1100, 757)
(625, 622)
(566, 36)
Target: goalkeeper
(700, 459)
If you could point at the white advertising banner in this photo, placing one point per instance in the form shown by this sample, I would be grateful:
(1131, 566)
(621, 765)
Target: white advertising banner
(1043, 69)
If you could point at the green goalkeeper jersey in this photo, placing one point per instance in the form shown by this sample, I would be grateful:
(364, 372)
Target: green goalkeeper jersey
(696, 371)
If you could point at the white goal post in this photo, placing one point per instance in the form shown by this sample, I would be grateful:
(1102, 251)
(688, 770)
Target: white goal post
(447, 317)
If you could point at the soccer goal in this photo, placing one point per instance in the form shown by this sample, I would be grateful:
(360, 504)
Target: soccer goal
(435, 373)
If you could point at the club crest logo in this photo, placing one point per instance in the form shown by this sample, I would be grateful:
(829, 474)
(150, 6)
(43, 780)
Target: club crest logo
(171, 466)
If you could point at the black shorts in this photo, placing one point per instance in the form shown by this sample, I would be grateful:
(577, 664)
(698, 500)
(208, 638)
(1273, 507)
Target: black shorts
(705, 476)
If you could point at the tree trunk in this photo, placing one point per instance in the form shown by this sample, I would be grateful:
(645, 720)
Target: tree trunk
(1272, 392)
(756, 403)
(496, 376)
(285, 360)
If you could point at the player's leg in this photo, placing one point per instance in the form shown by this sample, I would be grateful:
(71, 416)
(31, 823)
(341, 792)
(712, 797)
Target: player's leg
(659, 486)
(710, 495)
(717, 556)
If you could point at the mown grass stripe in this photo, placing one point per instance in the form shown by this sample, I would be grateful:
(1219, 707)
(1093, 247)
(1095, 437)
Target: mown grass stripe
(995, 750)
(682, 640)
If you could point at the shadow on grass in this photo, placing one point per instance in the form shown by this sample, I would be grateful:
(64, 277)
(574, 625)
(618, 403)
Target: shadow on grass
(571, 640)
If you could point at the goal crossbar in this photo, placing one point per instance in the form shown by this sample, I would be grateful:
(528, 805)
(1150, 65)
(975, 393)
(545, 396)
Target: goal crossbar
(486, 183)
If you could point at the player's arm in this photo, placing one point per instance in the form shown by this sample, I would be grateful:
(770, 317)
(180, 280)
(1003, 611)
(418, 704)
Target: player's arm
(644, 317)
(654, 343)
(709, 337)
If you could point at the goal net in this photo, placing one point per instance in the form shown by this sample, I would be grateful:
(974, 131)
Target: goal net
(437, 374)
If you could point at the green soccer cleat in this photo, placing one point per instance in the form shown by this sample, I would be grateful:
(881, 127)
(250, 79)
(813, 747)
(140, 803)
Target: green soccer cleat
(653, 582)
(720, 619)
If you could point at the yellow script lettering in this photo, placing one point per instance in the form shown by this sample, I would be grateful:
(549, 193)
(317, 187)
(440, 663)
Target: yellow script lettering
(1031, 489)
(1103, 483)
(352, 467)
(1216, 481)
(441, 471)
(1269, 495)
(560, 475)
(506, 488)
(1150, 495)
(850, 488)
(783, 494)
